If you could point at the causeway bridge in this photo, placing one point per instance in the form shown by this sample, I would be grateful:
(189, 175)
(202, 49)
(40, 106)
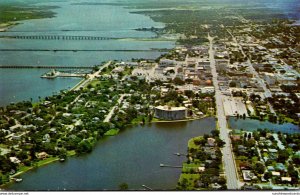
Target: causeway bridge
(44, 67)
(57, 37)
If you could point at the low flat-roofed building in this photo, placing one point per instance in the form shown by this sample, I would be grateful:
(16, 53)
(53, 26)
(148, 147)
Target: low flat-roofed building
(166, 63)
(275, 173)
(207, 90)
(170, 113)
(288, 179)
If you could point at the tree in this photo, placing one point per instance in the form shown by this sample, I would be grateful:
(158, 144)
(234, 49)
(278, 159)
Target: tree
(205, 136)
(232, 84)
(259, 168)
(123, 186)
(249, 136)
(189, 93)
(267, 175)
(220, 142)
(244, 116)
(282, 156)
(215, 133)
(84, 147)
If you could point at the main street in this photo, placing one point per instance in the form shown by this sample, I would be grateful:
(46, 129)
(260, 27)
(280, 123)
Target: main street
(228, 159)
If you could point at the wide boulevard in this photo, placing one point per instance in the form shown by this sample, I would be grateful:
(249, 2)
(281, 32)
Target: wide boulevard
(228, 159)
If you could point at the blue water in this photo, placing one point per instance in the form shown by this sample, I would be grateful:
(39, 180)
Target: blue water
(87, 20)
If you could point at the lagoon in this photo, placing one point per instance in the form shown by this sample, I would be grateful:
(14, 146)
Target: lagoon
(251, 125)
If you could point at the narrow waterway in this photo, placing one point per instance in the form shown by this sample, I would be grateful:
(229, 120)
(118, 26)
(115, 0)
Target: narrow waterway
(251, 125)
(132, 157)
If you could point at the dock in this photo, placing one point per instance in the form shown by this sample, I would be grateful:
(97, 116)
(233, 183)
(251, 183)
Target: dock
(179, 154)
(170, 166)
(146, 187)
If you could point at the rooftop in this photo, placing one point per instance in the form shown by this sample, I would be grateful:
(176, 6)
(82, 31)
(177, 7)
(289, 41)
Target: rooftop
(168, 108)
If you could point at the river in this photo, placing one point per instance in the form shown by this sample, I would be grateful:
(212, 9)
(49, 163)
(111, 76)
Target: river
(72, 19)
(133, 157)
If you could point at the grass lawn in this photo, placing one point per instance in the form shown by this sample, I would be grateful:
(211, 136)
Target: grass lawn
(191, 143)
(139, 119)
(94, 83)
(190, 178)
(112, 132)
(71, 153)
(189, 167)
(23, 169)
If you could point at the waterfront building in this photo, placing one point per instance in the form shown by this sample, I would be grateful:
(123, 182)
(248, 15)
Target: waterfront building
(170, 113)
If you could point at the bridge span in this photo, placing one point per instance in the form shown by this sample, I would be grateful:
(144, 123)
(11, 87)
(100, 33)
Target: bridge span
(44, 67)
(57, 37)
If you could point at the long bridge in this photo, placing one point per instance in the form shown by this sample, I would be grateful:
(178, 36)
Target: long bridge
(90, 50)
(57, 37)
(44, 67)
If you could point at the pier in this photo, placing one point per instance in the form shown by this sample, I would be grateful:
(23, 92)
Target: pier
(146, 187)
(44, 67)
(170, 166)
(179, 154)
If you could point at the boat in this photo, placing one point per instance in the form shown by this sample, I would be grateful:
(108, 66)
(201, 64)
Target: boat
(17, 179)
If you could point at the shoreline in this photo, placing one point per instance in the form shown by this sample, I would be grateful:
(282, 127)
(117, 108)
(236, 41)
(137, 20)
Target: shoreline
(183, 120)
(55, 159)
(4, 27)
(31, 168)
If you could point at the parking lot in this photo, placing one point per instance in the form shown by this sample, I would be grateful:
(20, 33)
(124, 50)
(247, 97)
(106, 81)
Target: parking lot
(234, 106)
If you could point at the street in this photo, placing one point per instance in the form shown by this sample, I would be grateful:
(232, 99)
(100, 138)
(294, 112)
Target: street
(228, 159)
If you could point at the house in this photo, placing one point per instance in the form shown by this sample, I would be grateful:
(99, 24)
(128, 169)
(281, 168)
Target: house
(201, 169)
(280, 167)
(273, 150)
(211, 141)
(248, 175)
(236, 138)
(42, 155)
(271, 168)
(216, 186)
(46, 138)
(241, 148)
(14, 160)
